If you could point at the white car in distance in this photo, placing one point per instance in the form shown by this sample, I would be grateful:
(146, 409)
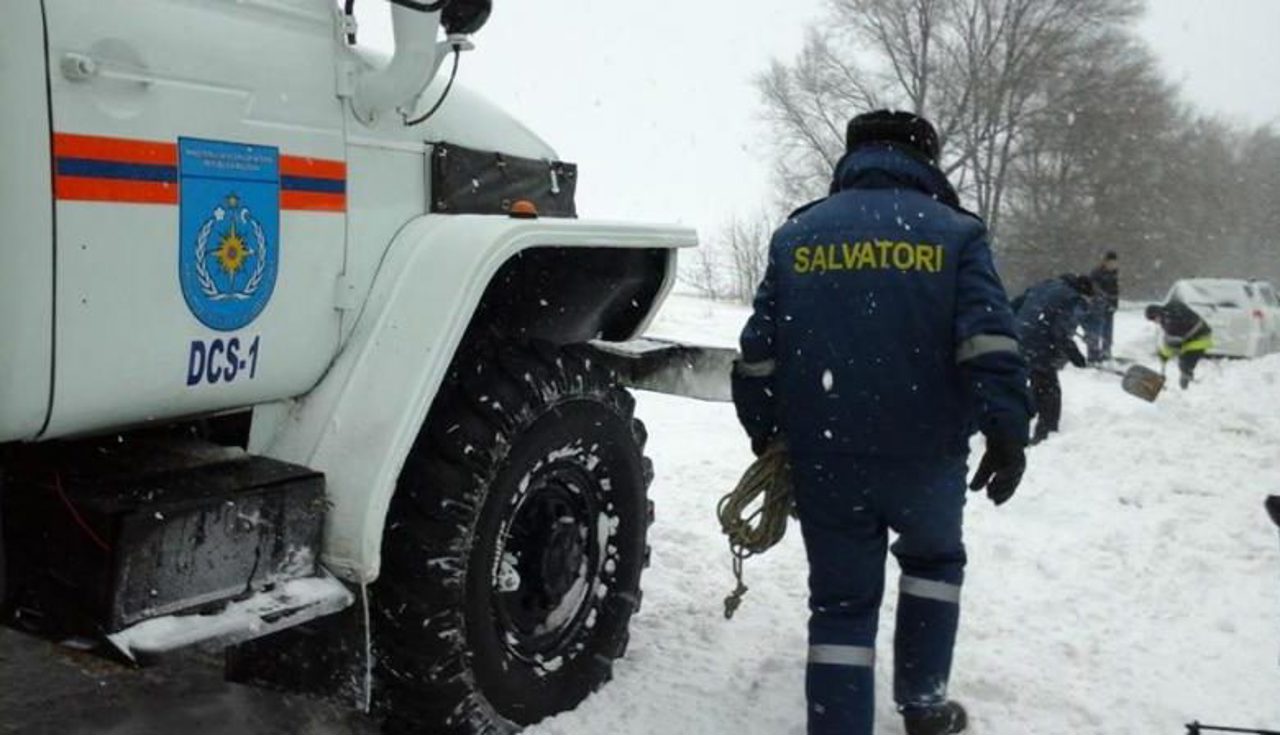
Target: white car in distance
(1244, 314)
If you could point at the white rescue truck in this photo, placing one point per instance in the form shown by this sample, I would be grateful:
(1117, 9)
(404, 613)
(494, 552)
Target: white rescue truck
(296, 359)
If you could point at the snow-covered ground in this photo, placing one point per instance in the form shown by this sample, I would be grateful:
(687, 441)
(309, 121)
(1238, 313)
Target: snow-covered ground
(1132, 584)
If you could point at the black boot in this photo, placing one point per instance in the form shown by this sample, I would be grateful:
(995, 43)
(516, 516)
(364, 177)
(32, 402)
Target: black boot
(945, 719)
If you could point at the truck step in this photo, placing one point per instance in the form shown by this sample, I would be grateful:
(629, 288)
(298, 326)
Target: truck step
(107, 534)
(284, 606)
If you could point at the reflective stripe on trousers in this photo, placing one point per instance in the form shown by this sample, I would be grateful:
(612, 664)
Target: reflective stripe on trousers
(832, 655)
(929, 589)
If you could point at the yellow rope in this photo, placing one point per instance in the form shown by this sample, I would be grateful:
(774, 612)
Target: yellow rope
(754, 515)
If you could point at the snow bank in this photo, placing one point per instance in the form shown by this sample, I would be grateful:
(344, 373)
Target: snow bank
(1131, 586)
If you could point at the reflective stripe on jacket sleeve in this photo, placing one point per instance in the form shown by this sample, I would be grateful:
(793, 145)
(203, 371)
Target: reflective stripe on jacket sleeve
(761, 369)
(984, 344)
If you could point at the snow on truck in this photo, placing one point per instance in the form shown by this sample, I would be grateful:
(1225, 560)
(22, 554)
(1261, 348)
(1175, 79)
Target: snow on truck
(303, 354)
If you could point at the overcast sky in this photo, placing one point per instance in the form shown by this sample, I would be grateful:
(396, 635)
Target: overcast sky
(654, 100)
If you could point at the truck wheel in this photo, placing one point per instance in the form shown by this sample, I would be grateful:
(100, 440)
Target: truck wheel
(513, 547)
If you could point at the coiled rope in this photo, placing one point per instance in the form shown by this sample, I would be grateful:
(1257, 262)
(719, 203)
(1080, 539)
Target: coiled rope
(754, 515)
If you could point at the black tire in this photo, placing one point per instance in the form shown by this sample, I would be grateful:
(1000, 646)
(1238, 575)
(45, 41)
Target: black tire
(514, 545)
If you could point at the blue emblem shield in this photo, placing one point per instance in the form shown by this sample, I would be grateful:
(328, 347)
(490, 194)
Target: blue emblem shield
(229, 246)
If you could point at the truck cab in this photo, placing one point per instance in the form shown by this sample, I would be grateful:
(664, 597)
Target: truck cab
(268, 297)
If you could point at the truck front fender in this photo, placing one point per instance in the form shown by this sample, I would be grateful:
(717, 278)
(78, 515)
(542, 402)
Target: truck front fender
(359, 423)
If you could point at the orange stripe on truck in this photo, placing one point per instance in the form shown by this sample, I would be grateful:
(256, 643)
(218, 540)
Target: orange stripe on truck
(95, 168)
(314, 168)
(310, 201)
(82, 189)
(123, 150)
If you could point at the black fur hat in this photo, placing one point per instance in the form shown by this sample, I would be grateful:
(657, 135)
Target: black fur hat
(892, 126)
(1082, 284)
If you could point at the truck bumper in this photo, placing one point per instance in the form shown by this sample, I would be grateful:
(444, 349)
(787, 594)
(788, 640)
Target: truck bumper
(662, 366)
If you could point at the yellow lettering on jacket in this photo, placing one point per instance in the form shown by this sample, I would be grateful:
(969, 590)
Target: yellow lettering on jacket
(868, 255)
(924, 257)
(904, 257)
(833, 262)
(884, 246)
(801, 258)
(819, 262)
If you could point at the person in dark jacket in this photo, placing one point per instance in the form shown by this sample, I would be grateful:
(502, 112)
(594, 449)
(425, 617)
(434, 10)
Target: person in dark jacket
(1046, 319)
(1186, 336)
(881, 338)
(1099, 328)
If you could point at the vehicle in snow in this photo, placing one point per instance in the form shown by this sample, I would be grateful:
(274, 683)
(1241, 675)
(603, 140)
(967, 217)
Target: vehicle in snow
(1244, 314)
(295, 359)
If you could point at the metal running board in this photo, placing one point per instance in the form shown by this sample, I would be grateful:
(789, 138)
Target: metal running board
(287, 604)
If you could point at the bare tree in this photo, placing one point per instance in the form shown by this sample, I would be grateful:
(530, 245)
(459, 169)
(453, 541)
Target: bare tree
(732, 264)
(703, 273)
(1117, 161)
(746, 241)
(1086, 177)
(807, 104)
(980, 69)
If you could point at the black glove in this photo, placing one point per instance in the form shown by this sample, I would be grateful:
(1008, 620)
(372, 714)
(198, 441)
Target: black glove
(753, 399)
(1001, 469)
(1073, 354)
(760, 445)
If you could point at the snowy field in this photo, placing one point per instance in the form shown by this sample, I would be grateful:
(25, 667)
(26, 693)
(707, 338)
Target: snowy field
(1132, 585)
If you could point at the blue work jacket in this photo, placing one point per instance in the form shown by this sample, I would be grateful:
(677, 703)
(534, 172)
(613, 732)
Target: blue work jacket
(881, 327)
(1046, 318)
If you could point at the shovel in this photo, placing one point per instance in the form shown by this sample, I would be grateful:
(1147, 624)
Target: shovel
(1143, 382)
(1139, 381)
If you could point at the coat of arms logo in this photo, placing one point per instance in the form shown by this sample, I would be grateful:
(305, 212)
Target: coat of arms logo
(234, 243)
(229, 248)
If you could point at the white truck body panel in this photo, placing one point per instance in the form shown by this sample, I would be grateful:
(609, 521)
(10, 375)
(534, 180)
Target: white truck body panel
(358, 425)
(128, 347)
(387, 175)
(26, 274)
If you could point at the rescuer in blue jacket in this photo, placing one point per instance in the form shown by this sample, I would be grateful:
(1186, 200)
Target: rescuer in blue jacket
(881, 339)
(1046, 318)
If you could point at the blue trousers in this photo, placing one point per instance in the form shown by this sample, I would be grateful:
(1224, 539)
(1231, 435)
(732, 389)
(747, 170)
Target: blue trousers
(847, 506)
(1099, 328)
